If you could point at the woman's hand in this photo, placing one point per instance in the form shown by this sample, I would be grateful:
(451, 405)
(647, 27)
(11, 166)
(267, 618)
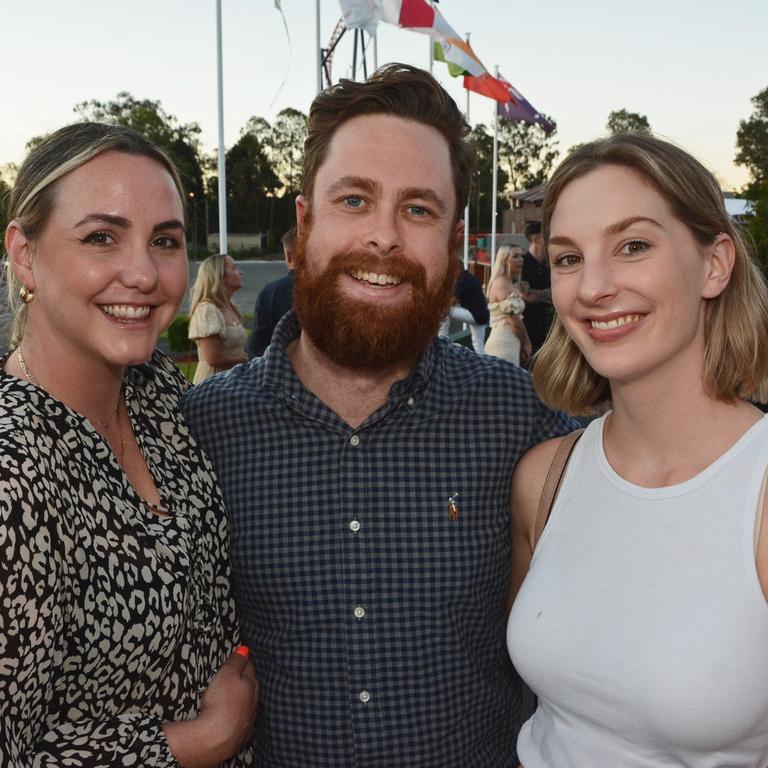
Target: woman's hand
(225, 720)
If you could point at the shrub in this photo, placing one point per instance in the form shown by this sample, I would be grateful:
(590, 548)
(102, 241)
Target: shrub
(178, 340)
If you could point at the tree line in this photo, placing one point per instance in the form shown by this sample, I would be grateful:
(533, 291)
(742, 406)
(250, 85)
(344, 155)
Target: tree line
(264, 166)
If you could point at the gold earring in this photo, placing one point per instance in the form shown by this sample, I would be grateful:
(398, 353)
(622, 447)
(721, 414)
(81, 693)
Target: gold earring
(27, 295)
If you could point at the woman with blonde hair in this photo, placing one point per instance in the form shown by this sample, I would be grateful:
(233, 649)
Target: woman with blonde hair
(642, 623)
(508, 338)
(118, 632)
(216, 324)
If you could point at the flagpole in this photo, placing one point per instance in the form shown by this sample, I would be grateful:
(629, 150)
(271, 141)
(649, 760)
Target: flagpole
(222, 170)
(431, 43)
(466, 210)
(319, 54)
(495, 174)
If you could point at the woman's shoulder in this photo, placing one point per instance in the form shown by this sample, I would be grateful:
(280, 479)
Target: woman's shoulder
(499, 289)
(207, 320)
(207, 307)
(31, 425)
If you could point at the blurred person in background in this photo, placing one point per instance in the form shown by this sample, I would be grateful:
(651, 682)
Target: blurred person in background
(509, 339)
(215, 323)
(274, 300)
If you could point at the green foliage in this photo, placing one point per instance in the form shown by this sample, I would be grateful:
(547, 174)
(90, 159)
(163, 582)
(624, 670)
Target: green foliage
(286, 148)
(178, 339)
(250, 181)
(757, 224)
(526, 153)
(180, 140)
(264, 174)
(480, 201)
(752, 140)
(4, 192)
(622, 121)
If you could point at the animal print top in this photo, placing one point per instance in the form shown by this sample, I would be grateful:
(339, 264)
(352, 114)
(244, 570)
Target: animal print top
(112, 619)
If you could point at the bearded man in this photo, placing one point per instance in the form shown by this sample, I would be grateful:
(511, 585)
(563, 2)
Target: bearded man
(366, 463)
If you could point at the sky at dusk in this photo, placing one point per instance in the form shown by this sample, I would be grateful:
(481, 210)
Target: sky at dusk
(691, 66)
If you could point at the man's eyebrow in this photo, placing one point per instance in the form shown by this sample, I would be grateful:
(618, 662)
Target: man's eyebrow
(105, 218)
(423, 193)
(352, 182)
(612, 229)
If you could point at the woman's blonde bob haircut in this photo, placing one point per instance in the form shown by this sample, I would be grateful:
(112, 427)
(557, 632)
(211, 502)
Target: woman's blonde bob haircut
(33, 196)
(736, 321)
(209, 285)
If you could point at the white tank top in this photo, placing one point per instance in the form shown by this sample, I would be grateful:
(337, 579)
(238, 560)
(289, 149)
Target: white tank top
(641, 624)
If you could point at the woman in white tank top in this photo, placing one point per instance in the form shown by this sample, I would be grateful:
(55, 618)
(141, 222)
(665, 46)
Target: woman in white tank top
(642, 622)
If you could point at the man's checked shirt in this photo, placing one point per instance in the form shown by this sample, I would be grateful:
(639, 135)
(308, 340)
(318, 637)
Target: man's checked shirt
(372, 565)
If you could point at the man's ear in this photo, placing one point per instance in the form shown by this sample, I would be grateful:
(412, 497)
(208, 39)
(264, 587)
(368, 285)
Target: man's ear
(459, 232)
(19, 250)
(302, 209)
(720, 261)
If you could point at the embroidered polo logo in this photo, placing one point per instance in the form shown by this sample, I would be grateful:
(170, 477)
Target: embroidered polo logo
(453, 507)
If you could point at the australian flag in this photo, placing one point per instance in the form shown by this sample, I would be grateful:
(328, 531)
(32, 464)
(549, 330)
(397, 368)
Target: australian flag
(519, 108)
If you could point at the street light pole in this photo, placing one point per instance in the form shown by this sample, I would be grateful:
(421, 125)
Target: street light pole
(222, 153)
(193, 205)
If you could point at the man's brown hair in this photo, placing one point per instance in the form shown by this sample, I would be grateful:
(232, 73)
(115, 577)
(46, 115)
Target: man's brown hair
(398, 90)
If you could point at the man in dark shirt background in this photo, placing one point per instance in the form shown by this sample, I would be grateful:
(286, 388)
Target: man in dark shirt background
(538, 298)
(274, 300)
(471, 308)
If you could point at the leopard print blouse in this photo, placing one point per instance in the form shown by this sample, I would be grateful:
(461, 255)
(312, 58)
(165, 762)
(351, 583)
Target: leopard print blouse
(112, 619)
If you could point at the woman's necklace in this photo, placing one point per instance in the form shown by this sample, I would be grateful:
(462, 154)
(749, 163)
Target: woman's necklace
(103, 424)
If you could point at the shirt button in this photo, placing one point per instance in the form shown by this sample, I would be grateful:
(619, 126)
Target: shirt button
(354, 440)
(354, 526)
(364, 696)
(411, 402)
(359, 612)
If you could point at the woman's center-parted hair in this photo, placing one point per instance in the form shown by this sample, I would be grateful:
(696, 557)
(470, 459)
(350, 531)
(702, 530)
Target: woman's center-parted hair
(33, 197)
(735, 322)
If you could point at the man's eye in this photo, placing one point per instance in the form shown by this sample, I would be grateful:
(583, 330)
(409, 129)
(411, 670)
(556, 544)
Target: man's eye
(418, 210)
(353, 201)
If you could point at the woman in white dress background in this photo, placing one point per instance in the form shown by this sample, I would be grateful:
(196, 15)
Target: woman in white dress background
(508, 338)
(216, 323)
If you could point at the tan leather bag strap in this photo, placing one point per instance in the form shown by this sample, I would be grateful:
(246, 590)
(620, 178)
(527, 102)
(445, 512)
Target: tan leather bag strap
(552, 483)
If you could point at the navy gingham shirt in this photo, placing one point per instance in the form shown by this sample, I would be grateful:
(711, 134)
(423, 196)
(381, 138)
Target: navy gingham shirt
(374, 608)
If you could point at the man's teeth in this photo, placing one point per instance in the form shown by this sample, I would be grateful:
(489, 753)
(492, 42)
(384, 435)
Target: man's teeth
(125, 311)
(375, 278)
(605, 325)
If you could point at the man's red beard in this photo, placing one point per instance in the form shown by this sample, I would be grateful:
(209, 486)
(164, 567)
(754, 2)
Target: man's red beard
(369, 335)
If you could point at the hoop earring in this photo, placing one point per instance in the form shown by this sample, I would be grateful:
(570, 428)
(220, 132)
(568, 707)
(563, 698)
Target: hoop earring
(27, 295)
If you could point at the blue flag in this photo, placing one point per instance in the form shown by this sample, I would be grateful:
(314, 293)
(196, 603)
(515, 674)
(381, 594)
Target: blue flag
(520, 109)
